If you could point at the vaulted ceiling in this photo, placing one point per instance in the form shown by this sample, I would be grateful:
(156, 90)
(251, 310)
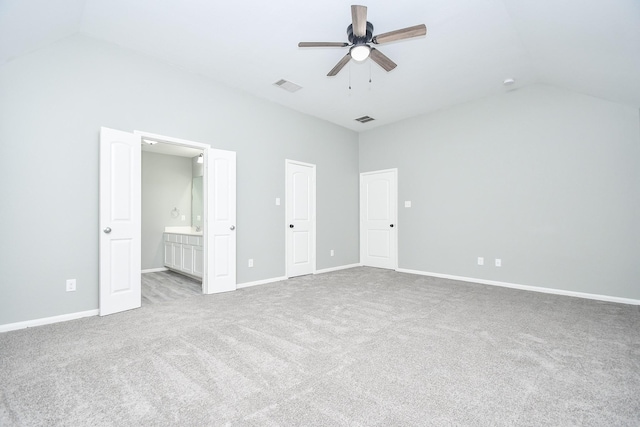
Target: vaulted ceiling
(471, 47)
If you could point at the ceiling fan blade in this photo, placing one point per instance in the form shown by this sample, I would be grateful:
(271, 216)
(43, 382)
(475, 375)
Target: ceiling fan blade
(405, 33)
(382, 59)
(359, 20)
(340, 65)
(322, 44)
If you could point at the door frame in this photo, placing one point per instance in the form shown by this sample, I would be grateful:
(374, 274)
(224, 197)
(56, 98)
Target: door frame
(395, 211)
(287, 199)
(205, 181)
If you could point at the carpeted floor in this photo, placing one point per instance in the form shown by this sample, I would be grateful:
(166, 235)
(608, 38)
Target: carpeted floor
(359, 347)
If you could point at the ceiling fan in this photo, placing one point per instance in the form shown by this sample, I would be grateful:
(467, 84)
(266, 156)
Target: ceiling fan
(360, 35)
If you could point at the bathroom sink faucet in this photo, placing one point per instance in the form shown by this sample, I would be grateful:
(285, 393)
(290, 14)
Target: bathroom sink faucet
(198, 228)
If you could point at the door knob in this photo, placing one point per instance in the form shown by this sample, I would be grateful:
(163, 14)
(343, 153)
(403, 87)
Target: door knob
(233, 227)
(391, 226)
(290, 225)
(107, 230)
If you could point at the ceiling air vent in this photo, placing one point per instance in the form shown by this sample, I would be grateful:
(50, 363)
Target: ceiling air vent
(365, 119)
(287, 85)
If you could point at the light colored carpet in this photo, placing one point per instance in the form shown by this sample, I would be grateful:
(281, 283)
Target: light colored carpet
(359, 347)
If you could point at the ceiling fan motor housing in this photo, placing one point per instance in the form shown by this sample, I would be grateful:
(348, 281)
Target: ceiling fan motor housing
(360, 40)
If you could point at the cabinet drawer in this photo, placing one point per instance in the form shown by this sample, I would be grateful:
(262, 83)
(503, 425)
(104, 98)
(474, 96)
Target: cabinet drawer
(192, 240)
(173, 238)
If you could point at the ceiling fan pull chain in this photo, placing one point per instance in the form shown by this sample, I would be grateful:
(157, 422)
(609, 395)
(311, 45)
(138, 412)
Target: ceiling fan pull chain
(349, 76)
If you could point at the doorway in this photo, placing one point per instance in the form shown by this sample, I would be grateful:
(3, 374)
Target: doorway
(172, 220)
(378, 219)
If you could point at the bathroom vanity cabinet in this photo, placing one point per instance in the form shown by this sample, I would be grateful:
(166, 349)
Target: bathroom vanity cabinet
(184, 253)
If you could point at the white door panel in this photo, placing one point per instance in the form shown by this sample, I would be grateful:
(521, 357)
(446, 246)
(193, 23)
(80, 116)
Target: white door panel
(301, 247)
(379, 242)
(220, 186)
(300, 218)
(120, 221)
(378, 219)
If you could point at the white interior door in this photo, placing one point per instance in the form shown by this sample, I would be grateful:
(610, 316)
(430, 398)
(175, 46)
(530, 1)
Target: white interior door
(300, 218)
(120, 221)
(378, 218)
(220, 249)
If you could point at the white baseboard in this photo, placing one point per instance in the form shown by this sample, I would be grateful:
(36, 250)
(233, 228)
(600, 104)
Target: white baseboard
(154, 270)
(260, 282)
(342, 267)
(525, 287)
(47, 320)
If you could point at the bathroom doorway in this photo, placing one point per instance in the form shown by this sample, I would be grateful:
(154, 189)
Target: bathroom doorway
(172, 207)
(120, 218)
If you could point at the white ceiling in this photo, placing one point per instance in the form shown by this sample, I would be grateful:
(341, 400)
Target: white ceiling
(471, 47)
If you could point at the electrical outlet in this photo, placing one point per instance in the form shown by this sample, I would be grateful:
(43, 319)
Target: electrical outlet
(277, 201)
(407, 203)
(71, 285)
(332, 253)
(498, 262)
(183, 217)
(250, 262)
(480, 260)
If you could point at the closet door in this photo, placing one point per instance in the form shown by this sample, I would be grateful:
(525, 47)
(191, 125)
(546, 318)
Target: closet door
(300, 215)
(378, 219)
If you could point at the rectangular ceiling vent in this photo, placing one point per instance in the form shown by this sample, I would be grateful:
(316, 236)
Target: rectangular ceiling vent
(365, 119)
(287, 85)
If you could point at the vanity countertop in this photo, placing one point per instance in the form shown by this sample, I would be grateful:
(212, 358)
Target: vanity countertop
(183, 230)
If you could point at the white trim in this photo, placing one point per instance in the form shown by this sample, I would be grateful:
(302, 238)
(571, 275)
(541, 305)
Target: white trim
(342, 267)
(154, 270)
(554, 291)
(171, 140)
(47, 320)
(379, 171)
(261, 282)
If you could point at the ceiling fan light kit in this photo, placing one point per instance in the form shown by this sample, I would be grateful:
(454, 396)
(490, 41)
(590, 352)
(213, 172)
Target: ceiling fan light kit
(360, 52)
(360, 35)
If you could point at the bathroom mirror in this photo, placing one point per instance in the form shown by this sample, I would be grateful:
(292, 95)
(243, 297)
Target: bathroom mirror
(197, 205)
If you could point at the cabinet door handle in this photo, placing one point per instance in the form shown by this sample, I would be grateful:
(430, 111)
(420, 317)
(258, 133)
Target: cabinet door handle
(233, 227)
(107, 230)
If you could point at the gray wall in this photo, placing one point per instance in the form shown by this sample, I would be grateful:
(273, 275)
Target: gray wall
(166, 184)
(52, 105)
(545, 179)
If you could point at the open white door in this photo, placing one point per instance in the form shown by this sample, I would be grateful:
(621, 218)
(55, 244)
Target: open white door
(220, 250)
(300, 218)
(378, 218)
(120, 221)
